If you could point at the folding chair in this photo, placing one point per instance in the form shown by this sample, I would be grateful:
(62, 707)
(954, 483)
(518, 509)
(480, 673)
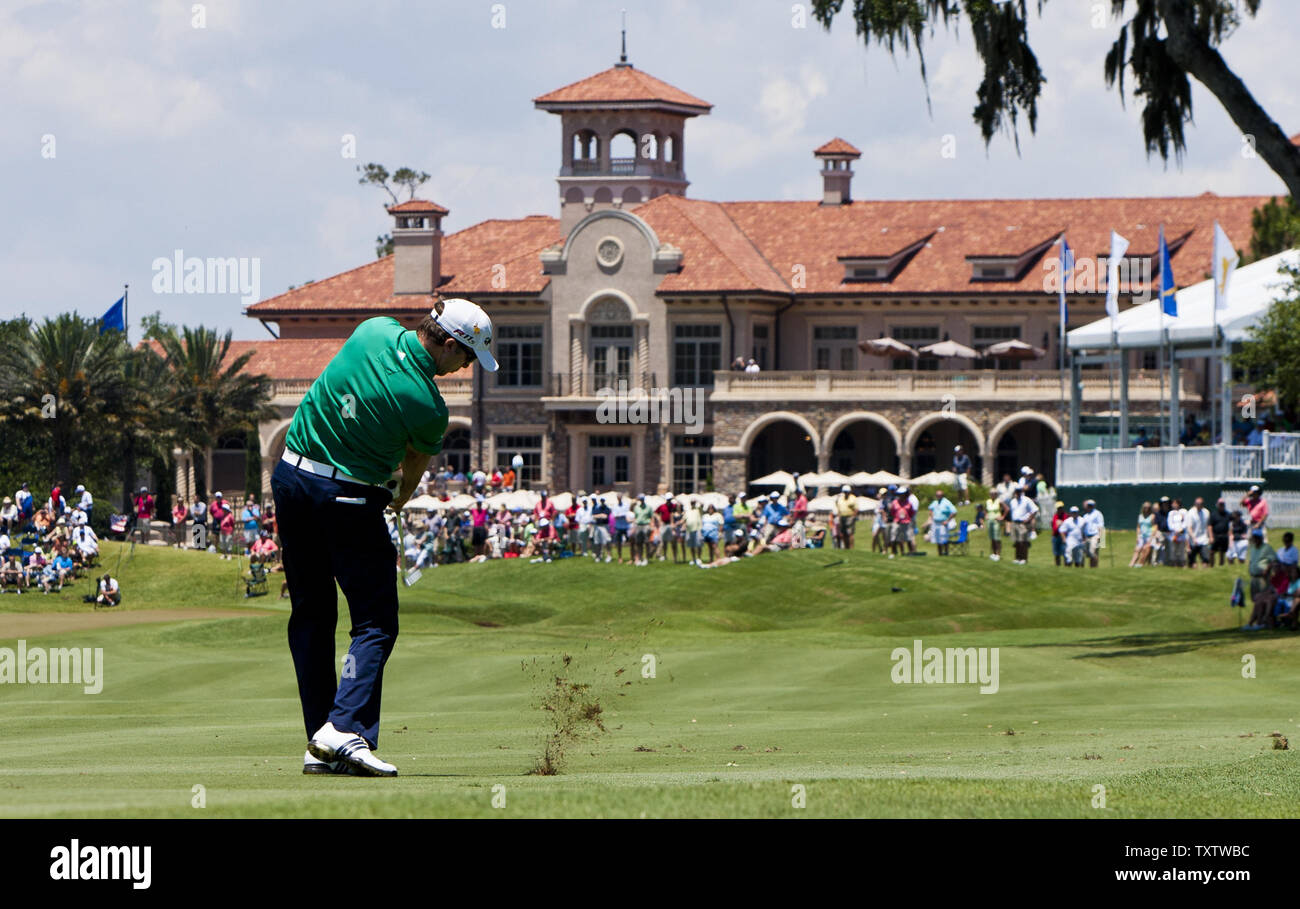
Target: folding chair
(963, 538)
(255, 584)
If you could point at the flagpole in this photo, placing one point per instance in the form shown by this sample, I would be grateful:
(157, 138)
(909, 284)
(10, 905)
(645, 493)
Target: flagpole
(126, 320)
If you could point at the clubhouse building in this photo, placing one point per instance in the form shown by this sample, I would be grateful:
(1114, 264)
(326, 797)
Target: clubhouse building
(636, 285)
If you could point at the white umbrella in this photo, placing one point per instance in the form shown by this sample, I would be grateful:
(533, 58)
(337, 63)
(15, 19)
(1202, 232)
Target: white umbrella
(422, 503)
(776, 478)
(879, 478)
(947, 349)
(562, 500)
(935, 478)
(828, 478)
(827, 503)
(461, 500)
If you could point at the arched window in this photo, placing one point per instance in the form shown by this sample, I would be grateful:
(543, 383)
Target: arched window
(631, 196)
(622, 152)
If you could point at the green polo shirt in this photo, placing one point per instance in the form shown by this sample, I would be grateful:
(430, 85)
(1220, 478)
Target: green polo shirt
(376, 396)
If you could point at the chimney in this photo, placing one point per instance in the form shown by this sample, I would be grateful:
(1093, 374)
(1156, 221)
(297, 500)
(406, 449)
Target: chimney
(417, 246)
(836, 157)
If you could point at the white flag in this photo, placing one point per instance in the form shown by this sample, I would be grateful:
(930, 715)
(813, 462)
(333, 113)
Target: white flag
(1225, 263)
(1118, 246)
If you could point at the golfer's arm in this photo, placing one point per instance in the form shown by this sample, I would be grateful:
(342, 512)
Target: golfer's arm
(412, 469)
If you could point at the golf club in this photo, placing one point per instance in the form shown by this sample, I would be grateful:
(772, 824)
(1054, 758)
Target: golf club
(408, 577)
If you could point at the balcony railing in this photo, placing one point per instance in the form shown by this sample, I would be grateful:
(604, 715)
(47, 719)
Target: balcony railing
(1218, 463)
(1282, 450)
(591, 384)
(1028, 385)
(449, 387)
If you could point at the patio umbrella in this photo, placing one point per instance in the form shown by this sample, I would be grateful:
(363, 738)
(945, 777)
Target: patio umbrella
(776, 478)
(422, 503)
(874, 480)
(826, 478)
(827, 503)
(935, 478)
(887, 347)
(1013, 349)
(949, 349)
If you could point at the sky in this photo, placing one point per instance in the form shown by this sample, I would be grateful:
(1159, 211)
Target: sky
(136, 132)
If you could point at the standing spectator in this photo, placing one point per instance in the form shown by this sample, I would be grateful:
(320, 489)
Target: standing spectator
(544, 508)
(226, 533)
(251, 518)
(583, 517)
(798, 511)
(507, 480)
(1260, 558)
(478, 519)
(900, 509)
(1071, 533)
(87, 502)
(693, 524)
(1160, 539)
(1256, 511)
(479, 480)
(1044, 497)
(600, 528)
(642, 514)
(846, 516)
(496, 479)
(738, 364)
(199, 513)
(914, 507)
(710, 525)
(1022, 513)
(1094, 525)
(620, 513)
(1177, 523)
(1146, 526)
(57, 504)
(1238, 537)
(961, 467)
(773, 514)
(751, 367)
(1288, 555)
(941, 511)
(1198, 534)
(1058, 542)
(996, 510)
(143, 511)
(179, 515)
(1220, 522)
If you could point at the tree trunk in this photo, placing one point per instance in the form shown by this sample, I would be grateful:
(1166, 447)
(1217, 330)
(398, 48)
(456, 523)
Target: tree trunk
(200, 474)
(1204, 63)
(128, 472)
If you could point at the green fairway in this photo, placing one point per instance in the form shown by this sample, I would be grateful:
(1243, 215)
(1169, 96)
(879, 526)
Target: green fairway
(771, 685)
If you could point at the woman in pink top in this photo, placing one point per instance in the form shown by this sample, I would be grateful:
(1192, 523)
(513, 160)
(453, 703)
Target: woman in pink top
(179, 514)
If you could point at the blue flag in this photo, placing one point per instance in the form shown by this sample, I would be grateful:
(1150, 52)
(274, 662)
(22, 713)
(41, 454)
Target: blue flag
(1067, 268)
(114, 318)
(1168, 302)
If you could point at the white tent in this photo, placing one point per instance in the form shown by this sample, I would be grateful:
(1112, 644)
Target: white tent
(1253, 289)
(827, 503)
(879, 478)
(935, 478)
(827, 478)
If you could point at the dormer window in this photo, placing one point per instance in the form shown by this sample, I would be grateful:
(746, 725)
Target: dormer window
(1010, 262)
(882, 266)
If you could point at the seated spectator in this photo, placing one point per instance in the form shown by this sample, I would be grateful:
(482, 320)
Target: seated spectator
(63, 568)
(11, 572)
(35, 566)
(85, 541)
(8, 516)
(264, 547)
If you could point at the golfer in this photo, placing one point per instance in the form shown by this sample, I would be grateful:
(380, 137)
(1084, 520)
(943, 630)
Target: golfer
(374, 407)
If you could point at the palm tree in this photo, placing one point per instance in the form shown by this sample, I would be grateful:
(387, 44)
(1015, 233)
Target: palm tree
(60, 378)
(147, 414)
(213, 394)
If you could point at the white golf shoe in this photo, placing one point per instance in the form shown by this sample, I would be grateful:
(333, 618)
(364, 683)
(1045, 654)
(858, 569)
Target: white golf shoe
(330, 745)
(311, 766)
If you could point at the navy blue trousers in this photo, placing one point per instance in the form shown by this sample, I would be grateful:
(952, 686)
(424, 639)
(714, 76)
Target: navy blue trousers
(335, 531)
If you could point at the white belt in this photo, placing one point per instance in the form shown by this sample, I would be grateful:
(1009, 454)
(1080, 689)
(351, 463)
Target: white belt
(328, 471)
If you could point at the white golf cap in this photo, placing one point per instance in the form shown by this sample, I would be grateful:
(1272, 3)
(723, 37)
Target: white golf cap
(470, 325)
(543, 522)
(774, 494)
(846, 488)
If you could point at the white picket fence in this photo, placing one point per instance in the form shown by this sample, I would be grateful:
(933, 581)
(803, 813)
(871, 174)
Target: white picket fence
(1281, 450)
(1216, 463)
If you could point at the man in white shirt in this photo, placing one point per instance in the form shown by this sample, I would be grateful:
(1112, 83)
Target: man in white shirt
(1023, 513)
(87, 502)
(583, 517)
(1093, 525)
(109, 593)
(83, 537)
(1071, 532)
(1198, 534)
(1177, 518)
(1288, 554)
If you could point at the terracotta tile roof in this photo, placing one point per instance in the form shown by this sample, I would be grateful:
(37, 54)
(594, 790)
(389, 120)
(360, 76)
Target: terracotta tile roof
(468, 257)
(625, 84)
(285, 358)
(756, 246)
(417, 205)
(716, 254)
(787, 234)
(838, 146)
